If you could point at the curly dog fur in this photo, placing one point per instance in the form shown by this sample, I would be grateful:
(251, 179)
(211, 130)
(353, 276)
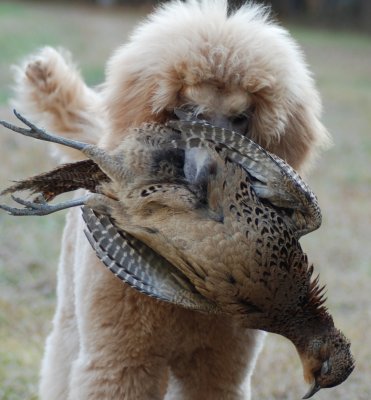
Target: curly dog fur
(108, 341)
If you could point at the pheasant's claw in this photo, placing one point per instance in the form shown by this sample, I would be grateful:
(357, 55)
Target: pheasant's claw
(33, 130)
(41, 134)
(28, 123)
(11, 210)
(26, 203)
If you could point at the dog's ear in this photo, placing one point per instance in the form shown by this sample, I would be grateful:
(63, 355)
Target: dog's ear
(302, 138)
(128, 103)
(286, 124)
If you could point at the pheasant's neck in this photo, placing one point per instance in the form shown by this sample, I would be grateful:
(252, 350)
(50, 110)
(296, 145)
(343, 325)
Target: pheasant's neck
(304, 325)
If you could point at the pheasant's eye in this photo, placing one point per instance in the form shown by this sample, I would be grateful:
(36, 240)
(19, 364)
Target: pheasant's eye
(326, 368)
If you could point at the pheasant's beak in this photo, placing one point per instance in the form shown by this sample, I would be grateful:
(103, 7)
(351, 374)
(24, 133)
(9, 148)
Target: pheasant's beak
(314, 388)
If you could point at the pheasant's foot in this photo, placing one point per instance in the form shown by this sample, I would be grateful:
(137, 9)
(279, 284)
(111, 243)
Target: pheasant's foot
(40, 208)
(41, 134)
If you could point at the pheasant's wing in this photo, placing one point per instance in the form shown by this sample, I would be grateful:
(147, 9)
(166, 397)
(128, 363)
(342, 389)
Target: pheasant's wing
(84, 174)
(272, 178)
(139, 266)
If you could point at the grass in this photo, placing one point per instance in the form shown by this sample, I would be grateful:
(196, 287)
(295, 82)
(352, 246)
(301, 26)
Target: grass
(340, 250)
(26, 27)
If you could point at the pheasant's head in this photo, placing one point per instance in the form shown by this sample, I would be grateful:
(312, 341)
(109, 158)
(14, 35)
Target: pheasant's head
(327, 361)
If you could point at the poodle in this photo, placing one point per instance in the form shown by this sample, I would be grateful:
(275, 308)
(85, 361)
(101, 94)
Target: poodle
(235, 67)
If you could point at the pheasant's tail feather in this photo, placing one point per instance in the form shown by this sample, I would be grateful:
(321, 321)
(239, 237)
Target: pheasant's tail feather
(84, 174)
(317, 294)
(139, 266)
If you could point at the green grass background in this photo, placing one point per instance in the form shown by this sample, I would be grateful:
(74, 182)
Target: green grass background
(340, 250)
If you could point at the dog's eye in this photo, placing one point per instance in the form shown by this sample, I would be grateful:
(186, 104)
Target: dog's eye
(240, 123)
(238, 119)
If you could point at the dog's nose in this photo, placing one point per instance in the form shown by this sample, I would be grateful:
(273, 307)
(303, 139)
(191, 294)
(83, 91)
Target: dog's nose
(237, 123)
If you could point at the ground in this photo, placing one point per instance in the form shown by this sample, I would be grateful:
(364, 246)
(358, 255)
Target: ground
(340, 249)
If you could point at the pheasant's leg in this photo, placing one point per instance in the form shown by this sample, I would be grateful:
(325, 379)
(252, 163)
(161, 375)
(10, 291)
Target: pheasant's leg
(98, 202)
(41, 134)
(100, 156)
(36, 208)
(93, 152)
(222, 368)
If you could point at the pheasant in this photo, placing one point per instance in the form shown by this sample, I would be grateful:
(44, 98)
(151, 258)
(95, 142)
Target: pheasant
(206, 219)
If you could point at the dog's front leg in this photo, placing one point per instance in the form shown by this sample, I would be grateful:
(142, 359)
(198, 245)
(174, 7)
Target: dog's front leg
(123, 352)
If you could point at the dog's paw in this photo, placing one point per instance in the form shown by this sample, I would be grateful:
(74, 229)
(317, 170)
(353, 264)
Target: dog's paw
(44, 72)
(40, 76)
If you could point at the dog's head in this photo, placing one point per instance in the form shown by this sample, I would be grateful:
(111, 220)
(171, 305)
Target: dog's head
(238, 69)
